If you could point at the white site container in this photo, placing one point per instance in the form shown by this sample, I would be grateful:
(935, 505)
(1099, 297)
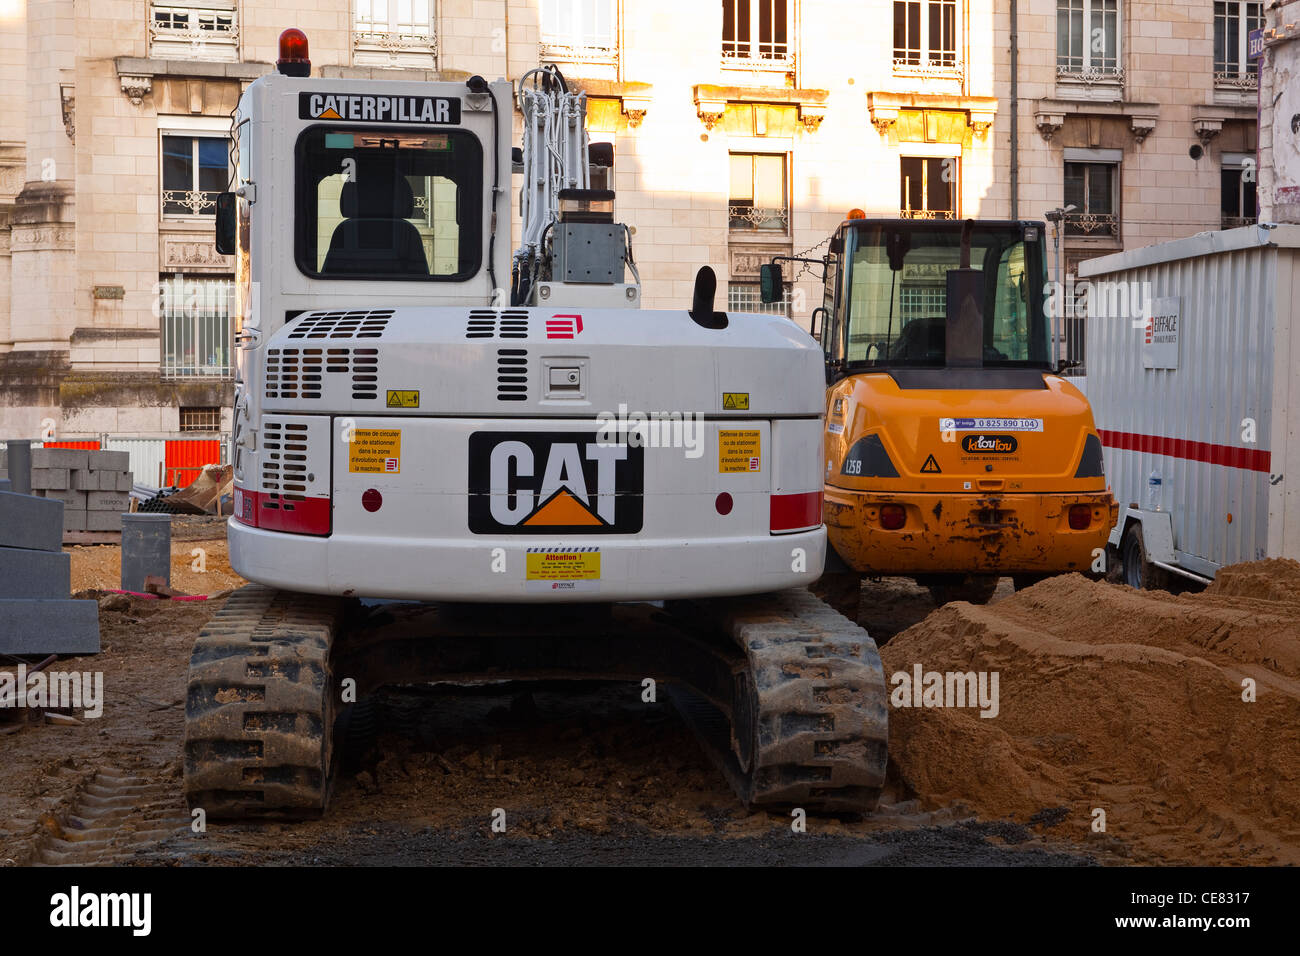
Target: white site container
(1207, 403)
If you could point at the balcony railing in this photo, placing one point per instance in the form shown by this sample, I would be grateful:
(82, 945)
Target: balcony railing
(745, 216)
(1236, 222)
(196, 33)
(1234, 80)
(578, 50)
(927, 214)
(188, 202)
(772, 57)
(1092, 75)
(395, 48)
(935, 67)
(1092, 225)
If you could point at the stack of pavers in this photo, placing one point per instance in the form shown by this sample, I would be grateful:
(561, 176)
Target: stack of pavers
(37, 616)
(94, 486)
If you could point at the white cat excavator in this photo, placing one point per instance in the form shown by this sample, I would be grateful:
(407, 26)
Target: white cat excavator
(409, 430)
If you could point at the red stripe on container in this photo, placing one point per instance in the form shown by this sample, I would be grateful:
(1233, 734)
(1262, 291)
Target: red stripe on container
(796, 512)
(1250, 459)
(89, 445)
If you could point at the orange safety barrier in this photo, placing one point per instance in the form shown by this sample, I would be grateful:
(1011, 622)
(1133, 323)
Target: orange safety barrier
(184, 459)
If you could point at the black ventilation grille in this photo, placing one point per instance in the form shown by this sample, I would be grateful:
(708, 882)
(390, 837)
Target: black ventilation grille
(365, 373)
(512, 375)
(491, 324)
(298, 373)
(284, 464)
(294, 373)
(342, 325)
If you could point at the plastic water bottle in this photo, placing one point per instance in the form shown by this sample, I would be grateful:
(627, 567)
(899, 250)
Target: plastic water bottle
(1155, 491)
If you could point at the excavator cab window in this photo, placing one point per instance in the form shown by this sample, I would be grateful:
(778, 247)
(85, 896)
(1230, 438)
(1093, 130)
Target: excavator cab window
(381, 204)
(893, 308)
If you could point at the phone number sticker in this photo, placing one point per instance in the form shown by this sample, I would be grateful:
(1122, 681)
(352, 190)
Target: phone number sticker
(990, 424)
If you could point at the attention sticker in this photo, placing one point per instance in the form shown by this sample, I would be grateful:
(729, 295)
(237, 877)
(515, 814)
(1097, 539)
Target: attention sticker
(739, 452)
(375, 451)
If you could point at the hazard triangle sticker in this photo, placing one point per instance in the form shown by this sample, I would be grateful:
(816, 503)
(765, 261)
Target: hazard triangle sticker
(931, 467)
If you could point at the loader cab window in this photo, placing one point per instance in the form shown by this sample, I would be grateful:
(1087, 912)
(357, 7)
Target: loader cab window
(898, 316)
(381, 204)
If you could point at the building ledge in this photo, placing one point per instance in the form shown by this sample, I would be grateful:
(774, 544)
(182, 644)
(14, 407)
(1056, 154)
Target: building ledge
(884, 108)
(711, 102)
(212, 69)
(1050, 114)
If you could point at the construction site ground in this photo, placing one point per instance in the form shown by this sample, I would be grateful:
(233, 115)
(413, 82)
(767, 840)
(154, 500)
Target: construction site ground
(1128, 703)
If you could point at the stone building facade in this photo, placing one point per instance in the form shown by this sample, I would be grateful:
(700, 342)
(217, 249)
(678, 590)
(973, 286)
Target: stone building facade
(741, 128)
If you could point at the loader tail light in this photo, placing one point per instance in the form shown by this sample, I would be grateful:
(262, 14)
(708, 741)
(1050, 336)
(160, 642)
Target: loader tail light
(798, 512)
(1080, 516)
(892, 517)
(293, 54)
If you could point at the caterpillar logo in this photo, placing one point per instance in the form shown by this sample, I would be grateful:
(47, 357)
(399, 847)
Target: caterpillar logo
(554, 482)
(989, 444)
(372, 108)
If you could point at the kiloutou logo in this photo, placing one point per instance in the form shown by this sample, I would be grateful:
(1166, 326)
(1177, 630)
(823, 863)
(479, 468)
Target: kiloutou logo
(989, 444)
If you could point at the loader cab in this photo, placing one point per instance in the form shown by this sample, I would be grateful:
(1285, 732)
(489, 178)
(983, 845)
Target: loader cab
(942, 294)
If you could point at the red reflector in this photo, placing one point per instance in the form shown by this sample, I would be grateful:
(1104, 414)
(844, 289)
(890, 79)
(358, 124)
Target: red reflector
(892, 517)
(796, 512)
(372, 499)
(724, 504)
(1080, 516)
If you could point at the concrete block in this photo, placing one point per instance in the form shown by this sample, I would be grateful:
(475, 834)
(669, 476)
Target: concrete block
(107, 501)
(83, 480)
(19, 466)
(35, 626)
(124, 481)
(74, 520)
(4, 484)
(109, 460)
(146, 549)
(69, 458)
(30, 522)
(35, 574)
(103, 521)
(107, 480)
(72, 500)
(43, 478)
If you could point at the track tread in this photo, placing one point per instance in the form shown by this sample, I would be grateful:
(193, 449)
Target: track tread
(259, 706)
(822, 717)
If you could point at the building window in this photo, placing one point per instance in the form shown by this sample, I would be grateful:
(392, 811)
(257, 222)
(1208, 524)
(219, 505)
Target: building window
(745, 297)
(756, 33)
(394, 33)
(758, 192)
(203, 418)
(580, 30)
(925, 36)
(928, 187)
(194, 170)
(1093, 189)
(1233, 22)
(196, 326)
(1087, 40)
(1237, 197)
(194, 33)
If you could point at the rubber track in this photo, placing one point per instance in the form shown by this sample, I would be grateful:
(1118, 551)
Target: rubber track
(820, 734)
(259, 708)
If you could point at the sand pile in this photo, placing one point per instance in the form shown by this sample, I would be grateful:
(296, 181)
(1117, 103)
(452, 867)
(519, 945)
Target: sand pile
(1129, 702)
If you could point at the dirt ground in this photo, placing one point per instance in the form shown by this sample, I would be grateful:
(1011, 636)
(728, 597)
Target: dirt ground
(1109, 699)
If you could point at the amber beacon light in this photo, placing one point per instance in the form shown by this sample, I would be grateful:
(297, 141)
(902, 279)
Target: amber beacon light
(293, 53)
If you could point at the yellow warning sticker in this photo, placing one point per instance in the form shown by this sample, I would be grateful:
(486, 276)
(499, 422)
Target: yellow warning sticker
(375, 451)
(403, 398)
(735, 401)
(739, 452)
(574, 564)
